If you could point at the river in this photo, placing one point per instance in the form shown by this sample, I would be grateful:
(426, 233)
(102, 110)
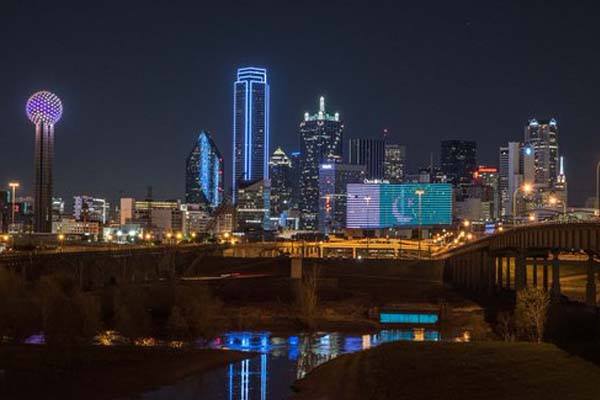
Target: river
(279, 362)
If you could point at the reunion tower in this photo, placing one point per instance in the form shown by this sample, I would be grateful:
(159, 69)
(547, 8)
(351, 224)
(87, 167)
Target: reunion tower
(44, 109)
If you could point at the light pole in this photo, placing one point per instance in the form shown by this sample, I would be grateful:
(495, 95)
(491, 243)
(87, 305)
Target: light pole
(420, 193)
(554, 201)
(368, 200)
(13, 186)
(526, 188)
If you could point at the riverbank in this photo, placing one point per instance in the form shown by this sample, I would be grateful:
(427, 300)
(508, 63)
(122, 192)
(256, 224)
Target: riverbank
(429, 371)
(99, 372)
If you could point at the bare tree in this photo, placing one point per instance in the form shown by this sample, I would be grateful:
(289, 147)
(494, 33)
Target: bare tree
(532, 312)
(308, 297)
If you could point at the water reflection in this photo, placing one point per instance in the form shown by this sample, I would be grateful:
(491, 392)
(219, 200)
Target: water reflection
(280, 362)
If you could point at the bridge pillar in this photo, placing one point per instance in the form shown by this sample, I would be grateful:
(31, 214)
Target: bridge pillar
(555, 276)
(490, 262)
(534, 272)
(500, 277)
(590, 287)
(508, 283)
(520, 271)
(545, 273)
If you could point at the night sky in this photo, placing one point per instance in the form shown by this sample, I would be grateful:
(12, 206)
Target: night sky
(138, 80)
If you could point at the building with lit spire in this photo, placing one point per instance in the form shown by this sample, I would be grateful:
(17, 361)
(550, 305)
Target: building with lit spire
(321, 136)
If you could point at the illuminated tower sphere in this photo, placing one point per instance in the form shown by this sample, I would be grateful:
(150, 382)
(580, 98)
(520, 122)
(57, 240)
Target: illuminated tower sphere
(44, 109)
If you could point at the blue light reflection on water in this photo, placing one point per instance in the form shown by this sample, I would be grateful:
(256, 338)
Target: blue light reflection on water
(281, 361)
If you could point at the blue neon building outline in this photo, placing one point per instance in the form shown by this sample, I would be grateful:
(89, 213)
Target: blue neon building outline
(249, 76)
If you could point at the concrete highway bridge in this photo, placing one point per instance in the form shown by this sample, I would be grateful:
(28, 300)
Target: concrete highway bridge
(357, 248)
(527, 255)
(98, 266)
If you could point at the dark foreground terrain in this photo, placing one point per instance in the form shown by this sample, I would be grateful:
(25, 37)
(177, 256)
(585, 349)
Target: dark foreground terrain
(485, 370)
(98, 372)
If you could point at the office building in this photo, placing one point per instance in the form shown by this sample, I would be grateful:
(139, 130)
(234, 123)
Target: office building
(281, 182)
(488, 178)
(458, 160)
(516, 167)
(295, 176)
(89, 208)
(321, 142)
(333, 181)
(155, 216)
(204, 173)
(370, 153)
(253, 206)
(250, 127)
(394, 163)
(71, 226)
(542, 137)
(44, 109)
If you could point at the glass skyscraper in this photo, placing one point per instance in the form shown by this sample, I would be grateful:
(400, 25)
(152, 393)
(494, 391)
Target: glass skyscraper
(321, 142)
(250, 127)
(542, 137)
(370, 153)
(459, 160)
(204, 173)
(281, 182)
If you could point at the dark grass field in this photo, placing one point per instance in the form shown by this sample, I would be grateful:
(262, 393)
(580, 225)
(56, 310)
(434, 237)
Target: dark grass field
(474, 371)
(98, 372)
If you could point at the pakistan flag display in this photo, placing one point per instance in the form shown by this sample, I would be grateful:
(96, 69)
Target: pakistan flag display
(384, 205)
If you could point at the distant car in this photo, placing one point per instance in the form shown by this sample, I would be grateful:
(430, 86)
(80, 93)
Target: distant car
(230, 275)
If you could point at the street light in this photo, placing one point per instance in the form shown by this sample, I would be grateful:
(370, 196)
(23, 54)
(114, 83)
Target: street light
(420, 193)
(368, 200)
(554, 201)
(13, 186)
(526, 189)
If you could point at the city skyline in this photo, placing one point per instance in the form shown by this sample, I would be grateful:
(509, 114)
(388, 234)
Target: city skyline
(366, 109)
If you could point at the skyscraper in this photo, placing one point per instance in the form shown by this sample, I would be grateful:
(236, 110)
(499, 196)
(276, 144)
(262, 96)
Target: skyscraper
(542, 137)
(394, 162)
(250, 127)
(321, 142)
(459, 160)
(281, 182)
(44, 109)
(204, 173)
(370, 153)
(516, 167)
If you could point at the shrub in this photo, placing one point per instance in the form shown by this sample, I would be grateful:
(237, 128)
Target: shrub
(132, 317)
(69, 316)
(199, 309)
(19, 315)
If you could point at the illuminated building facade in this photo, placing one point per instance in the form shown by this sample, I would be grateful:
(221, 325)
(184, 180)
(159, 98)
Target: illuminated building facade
(386, 205)
(253, 206)
(204, 173)
(333, 179)
(250, 127)
(89, 208)
(370, 153)
(321, 142)
(458, 160)
(542, 137)
(281, 182)
(394, 162)
(44, 109)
